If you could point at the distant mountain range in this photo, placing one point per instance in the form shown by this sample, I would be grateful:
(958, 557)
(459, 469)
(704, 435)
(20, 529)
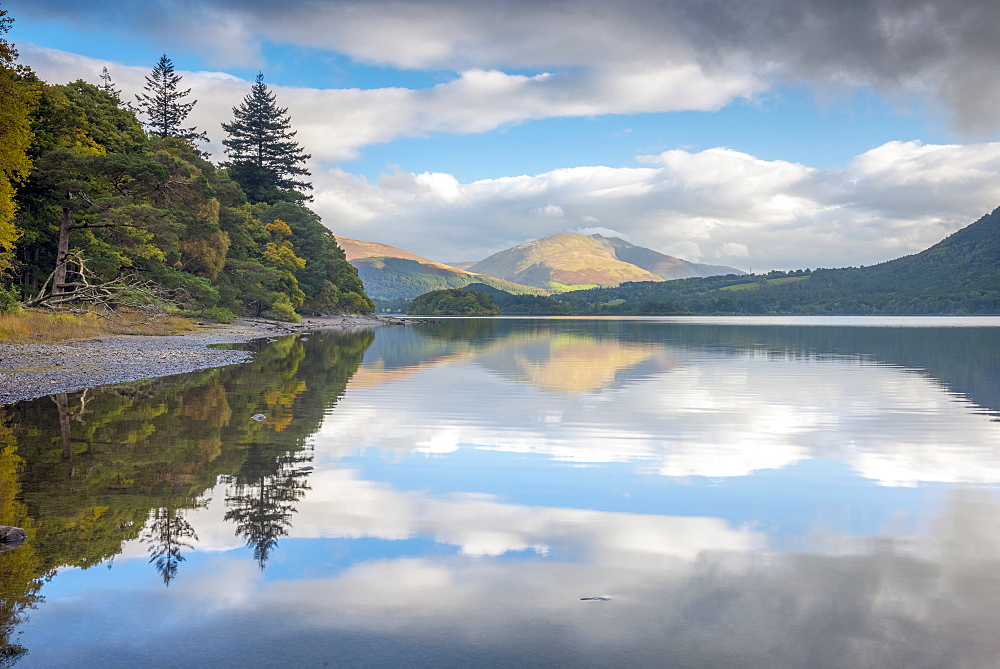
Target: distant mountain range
(553, 264)
(958, 275)
(391, 273)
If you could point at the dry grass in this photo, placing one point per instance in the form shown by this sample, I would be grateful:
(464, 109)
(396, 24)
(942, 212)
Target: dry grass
(37, 326)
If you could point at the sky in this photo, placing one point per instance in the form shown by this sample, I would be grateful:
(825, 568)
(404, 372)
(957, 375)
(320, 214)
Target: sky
(773, 134)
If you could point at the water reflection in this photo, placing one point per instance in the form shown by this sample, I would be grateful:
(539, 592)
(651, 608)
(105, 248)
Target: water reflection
(126, 463)
(692, 400)
(447, 495)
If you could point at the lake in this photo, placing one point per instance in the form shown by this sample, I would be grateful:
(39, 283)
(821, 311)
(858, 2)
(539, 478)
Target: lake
(755, 492)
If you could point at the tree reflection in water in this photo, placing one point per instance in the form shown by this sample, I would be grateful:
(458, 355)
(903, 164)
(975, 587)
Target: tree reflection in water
(167, 533)
(261, 506)
(86, 472)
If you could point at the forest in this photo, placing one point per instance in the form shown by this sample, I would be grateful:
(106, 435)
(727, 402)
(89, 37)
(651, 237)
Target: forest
(109, 202)
(454, 302)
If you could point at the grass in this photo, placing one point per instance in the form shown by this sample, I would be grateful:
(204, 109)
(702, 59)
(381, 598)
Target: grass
(771, 282)
(41, 327)
(557, 287)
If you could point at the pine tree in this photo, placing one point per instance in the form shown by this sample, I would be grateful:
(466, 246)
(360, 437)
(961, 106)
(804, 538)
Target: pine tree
(264, 158)
(108, 86)
(162, 106)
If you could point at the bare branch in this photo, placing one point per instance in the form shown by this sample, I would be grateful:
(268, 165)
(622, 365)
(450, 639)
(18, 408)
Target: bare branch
(106, 298)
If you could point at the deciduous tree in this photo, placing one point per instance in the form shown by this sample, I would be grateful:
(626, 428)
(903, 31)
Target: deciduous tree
(15, 137)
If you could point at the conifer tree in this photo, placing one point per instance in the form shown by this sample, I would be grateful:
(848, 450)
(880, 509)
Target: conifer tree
(264, 158)
(162, 105)
(108, 86)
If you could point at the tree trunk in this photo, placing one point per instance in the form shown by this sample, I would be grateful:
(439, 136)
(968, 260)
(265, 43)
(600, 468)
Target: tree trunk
(62, 403)
(62, 250)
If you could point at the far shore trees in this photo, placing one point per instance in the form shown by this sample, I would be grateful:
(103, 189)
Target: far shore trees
(264, 158)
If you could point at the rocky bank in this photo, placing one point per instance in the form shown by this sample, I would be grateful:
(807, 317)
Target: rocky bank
(28, 371)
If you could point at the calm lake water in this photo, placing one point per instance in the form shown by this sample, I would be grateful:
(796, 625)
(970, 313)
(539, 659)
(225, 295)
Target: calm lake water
(814, 492)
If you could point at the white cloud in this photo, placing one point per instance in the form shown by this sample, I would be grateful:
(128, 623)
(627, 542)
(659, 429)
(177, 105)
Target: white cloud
(476, 101)
(718, 204)
(733, 250)
(548, 211)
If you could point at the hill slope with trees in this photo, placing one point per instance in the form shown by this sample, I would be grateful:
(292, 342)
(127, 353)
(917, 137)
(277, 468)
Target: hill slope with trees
(959, 275)
(125, 206)
(393, 276)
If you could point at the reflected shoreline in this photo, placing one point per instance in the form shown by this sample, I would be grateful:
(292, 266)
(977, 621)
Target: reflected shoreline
(476, 478)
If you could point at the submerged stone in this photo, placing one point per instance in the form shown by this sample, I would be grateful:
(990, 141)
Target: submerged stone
(12, 535)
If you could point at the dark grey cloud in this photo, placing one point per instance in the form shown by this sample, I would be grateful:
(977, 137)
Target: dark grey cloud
(940, 50)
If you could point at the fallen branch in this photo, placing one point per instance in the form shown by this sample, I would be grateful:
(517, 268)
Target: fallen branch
(106, 298)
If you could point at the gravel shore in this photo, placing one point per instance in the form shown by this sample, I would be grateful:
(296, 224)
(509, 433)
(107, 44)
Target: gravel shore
(28, 371)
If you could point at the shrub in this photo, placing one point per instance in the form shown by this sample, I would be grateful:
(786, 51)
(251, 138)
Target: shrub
(10, 300)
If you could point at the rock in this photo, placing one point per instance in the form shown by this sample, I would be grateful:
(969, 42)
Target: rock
(12, 535)
(596, 598)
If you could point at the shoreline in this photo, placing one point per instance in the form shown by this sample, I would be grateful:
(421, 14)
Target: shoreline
(30, 371)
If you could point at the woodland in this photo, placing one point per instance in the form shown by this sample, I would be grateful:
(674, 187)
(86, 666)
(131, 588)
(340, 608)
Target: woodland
(107, 202)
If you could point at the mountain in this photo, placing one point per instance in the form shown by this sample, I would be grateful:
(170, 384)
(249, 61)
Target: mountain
(573, 260)
(391, 273)
(354, 249)
(958, 275)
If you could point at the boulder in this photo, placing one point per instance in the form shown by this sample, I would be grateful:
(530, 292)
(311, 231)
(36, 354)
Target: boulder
(12, 535)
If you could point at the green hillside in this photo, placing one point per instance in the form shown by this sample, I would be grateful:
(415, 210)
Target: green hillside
(389, 278)
(959, 275)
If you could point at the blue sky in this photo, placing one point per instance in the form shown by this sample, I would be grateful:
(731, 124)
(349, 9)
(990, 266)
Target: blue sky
(772, 134)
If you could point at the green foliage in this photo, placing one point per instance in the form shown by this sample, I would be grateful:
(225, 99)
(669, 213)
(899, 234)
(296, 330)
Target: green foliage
(16, 100)
(264, 158)
(326, 275)
(282, 309)
(215, 314)
(453, 302)
(153, 206)
(521, 305)
(389, 278)
(10, 302)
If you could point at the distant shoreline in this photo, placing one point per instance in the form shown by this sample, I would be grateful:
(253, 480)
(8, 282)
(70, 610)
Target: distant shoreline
(30, 371)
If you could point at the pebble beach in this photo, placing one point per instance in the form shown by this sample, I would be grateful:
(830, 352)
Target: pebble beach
(28, 371)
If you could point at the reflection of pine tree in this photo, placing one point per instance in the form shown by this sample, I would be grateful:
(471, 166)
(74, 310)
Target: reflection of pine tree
(261, 505)
(166, 534)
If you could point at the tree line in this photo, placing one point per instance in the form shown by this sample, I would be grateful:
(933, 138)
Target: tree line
(113, 201)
